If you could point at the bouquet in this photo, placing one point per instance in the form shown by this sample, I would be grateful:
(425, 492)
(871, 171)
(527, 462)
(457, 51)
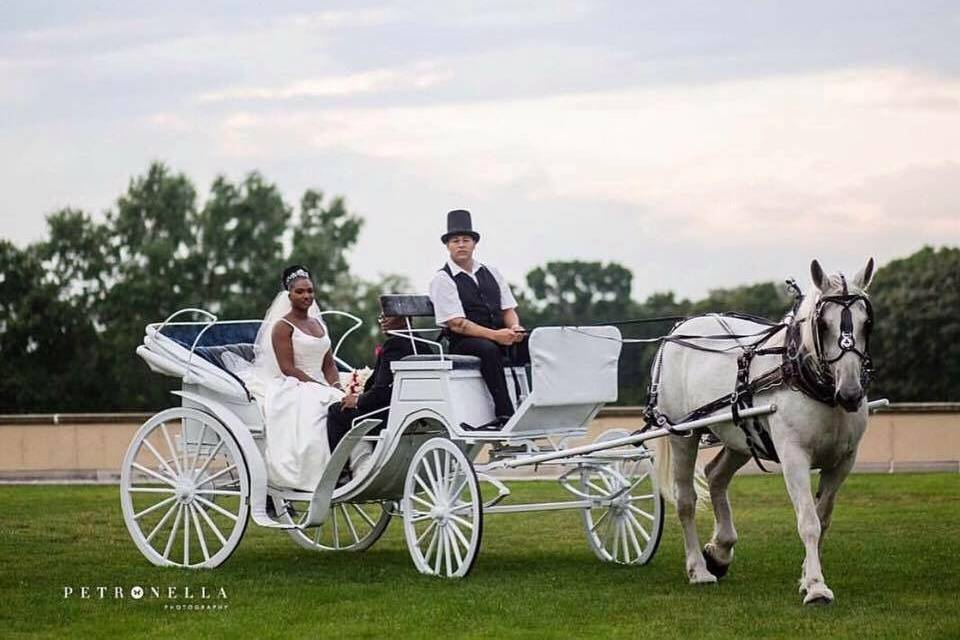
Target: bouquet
(358, 378)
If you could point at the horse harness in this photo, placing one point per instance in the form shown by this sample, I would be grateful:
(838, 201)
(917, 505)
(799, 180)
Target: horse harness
(795, 369)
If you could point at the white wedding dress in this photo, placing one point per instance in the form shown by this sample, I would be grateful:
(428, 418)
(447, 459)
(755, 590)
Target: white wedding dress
(295, 412)
(296, 415)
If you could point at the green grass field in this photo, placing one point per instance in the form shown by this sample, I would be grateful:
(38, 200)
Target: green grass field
(891, 559)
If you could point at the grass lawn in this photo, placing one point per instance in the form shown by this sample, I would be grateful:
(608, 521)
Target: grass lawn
(891, 559)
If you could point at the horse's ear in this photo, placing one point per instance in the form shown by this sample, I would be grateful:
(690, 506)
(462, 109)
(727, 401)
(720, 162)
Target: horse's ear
(816, 272)
(864, 276)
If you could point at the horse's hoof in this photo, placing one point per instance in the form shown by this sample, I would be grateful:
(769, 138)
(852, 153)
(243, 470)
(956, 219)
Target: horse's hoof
(818, 597)
(702, 578)
(714, 567)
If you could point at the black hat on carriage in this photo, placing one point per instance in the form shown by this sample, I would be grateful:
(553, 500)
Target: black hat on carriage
(459, 223)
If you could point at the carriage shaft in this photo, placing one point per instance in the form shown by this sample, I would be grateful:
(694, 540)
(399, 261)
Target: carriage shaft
(542, 506)
(633, 439)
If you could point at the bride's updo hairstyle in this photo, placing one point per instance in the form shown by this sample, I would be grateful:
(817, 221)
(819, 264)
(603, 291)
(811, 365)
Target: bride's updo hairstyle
(293, 273)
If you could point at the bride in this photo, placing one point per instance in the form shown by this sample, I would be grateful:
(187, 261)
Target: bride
(299, 381)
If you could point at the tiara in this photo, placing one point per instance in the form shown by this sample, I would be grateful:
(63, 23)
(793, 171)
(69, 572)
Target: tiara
(299, 273)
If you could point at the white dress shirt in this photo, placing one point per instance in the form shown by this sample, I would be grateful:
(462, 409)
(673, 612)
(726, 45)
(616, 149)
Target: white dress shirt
(446, 300)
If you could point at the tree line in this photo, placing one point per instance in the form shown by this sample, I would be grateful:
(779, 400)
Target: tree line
(73, 306)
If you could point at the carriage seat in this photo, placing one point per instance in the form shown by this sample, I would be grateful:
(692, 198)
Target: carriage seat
(459, 362)
(215, 354)
(236, 338)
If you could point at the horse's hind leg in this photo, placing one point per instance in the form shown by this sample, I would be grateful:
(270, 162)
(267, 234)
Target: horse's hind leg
(719, 551)
(684, 462)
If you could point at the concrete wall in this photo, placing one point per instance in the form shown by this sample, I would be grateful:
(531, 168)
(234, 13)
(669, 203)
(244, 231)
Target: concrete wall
(89, 447)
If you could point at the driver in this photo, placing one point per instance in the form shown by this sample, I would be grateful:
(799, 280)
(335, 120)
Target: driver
(477, 310)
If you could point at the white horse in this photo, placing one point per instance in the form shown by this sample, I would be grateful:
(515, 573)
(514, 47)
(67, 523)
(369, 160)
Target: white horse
(833, 332)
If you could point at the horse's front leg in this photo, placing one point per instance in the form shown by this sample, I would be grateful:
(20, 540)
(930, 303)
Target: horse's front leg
(830, 481)
(796, 472)
(684, 464)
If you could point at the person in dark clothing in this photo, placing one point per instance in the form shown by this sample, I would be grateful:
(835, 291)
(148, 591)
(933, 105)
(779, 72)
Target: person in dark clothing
(377, 390)
(474, 304)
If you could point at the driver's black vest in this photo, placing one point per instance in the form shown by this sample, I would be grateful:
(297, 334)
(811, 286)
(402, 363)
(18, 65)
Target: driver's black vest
(480, 299)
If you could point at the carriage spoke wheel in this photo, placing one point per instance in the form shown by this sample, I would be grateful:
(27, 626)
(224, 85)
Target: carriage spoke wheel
(184, 490)
(349, 527)
(627, 529)
(442, 514)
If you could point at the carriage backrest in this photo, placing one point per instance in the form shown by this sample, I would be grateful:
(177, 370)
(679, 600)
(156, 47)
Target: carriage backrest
(574, 373)
(403, 304)
(233, 338)
(574, 365)
(218, 335)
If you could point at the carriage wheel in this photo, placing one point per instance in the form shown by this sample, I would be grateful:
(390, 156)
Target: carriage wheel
(628, 530)
(350, 526)
(184, 490)
(442, 514)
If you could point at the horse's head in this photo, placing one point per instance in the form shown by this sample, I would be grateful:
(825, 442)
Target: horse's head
(837, 332)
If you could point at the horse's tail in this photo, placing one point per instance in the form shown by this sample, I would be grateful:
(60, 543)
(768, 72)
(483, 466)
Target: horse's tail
(663, 468)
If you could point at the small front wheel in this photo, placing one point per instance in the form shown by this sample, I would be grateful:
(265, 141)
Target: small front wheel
(626, 528)
(442, 510)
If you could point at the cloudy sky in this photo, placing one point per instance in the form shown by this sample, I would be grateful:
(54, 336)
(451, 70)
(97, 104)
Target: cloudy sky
(701, 144)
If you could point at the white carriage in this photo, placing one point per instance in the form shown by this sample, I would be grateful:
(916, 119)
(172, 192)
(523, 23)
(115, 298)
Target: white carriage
(194, 474)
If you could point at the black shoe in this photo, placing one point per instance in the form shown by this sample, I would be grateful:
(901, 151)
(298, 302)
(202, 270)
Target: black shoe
(494, 425)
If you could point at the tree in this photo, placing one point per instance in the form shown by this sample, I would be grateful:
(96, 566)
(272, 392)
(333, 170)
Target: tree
(151, 272)
(322, 238)
(579, 292)
(239, 247)
(764, 299)
(48, 347)
(916, 338)
(74, 306)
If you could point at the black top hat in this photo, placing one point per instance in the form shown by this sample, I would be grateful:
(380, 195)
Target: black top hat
(458, 223)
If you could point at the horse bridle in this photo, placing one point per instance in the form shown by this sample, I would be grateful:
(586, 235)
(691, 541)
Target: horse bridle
(847, 342)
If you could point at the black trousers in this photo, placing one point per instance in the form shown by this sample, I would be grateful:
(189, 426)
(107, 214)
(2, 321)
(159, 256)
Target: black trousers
(340, 421)
(493, 357)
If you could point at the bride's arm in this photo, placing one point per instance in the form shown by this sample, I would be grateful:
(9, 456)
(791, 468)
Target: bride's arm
(282, 338)
(330, 371)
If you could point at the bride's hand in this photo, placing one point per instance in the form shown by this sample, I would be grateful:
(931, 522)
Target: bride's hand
(349, 401)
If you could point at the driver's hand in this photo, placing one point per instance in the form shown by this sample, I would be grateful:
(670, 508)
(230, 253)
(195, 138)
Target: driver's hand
(505, 337)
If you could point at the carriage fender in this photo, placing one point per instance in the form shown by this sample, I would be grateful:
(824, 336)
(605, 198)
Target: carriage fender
(256, 468)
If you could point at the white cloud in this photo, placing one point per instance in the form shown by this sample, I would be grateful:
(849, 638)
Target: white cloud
(420, 76)
(690, 186)
(785, 152)
(341, 19)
